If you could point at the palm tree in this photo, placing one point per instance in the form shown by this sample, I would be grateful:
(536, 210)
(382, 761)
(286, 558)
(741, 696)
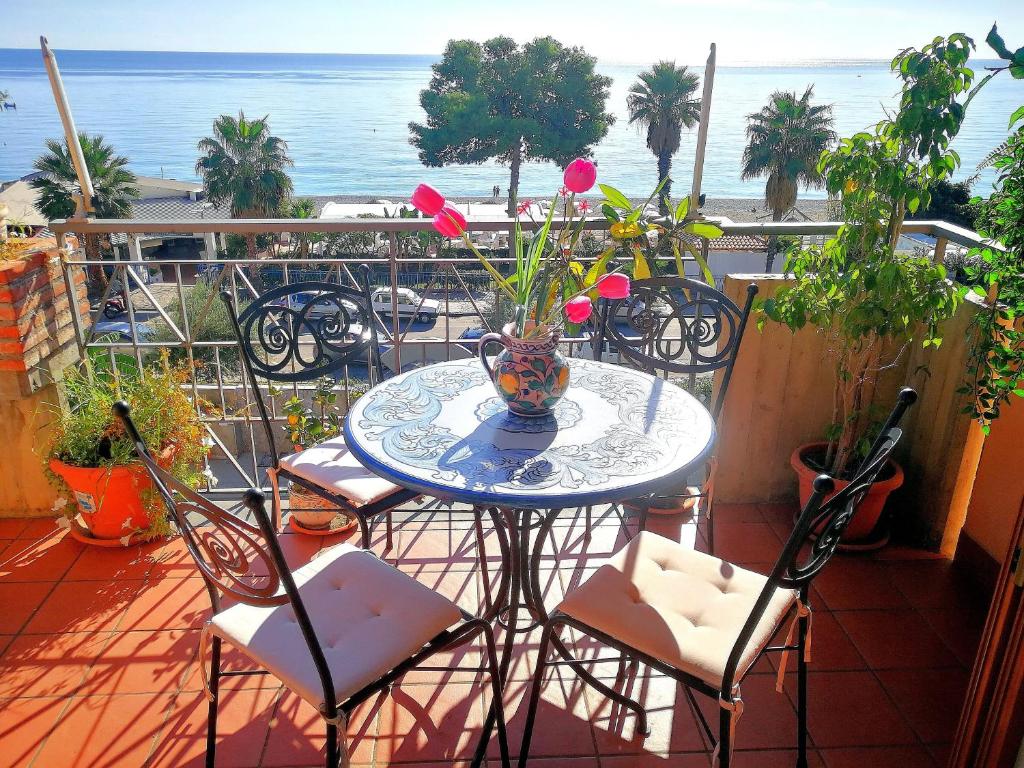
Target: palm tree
(242, 166)
(113, 185)
(784, 141)
(662, 100)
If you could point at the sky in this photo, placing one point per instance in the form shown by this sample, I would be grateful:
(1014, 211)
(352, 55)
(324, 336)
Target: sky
(616, 31)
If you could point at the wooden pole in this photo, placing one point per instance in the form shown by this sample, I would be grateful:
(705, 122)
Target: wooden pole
(83, 201)
(702, 133)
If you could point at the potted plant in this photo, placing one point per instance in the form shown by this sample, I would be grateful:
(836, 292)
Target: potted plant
(869, 299)
(92, 460)
(305, 427)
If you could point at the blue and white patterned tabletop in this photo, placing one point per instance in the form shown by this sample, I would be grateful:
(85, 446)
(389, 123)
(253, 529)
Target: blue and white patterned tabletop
(617, 434)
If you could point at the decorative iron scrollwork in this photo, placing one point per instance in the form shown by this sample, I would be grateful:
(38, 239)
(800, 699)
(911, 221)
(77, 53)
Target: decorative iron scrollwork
(674, 325)
(306, 330)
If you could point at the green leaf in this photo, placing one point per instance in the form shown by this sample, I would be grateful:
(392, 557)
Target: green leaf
(1017, 115)
(995, 42)
(609, 213)
(615, 198)
(704, 229)
(683, 208)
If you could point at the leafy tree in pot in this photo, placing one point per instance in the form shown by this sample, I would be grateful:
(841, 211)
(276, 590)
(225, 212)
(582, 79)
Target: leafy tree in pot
(500, 100)
(662, 100)
(113, 186)
(869, 299)
(784, 142)
(243, 166)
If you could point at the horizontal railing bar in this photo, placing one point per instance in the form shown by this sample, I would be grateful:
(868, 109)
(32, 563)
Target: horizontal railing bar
(248, 226)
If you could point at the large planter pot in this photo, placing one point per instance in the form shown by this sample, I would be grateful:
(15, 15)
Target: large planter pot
(110, 498)
(530, 375)
(868, 513)
(311, 513)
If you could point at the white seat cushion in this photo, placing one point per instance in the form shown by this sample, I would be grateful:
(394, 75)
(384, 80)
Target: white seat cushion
(368, 616)
(682, 607)
(332, 466)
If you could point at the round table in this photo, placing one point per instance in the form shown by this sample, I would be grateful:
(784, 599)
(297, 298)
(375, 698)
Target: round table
(442, 430)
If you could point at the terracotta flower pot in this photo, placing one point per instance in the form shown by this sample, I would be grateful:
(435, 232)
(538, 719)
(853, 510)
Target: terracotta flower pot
(313, 513)
(531, 375)
(870, 510)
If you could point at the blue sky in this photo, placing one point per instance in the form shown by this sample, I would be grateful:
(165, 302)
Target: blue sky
(626, 31)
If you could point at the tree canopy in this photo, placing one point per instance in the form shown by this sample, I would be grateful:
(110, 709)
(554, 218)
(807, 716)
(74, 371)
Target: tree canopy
(113, 184)
(539, 101)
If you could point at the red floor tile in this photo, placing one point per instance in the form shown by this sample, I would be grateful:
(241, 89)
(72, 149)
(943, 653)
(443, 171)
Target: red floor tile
(24, 726)
(421, 723)
(38, 527)
(82, 606)
(746, 542)
(11, 527)
(895, 639)
(960, 630)
(673, 725)
(173, 559)
(773, 758)
(104, 731)
(739, 513)
(850, 583)
(144, 662)
(692, 760)
(102, 564)
(884, 757)
(930, 699)
(243, 720)
(49, 665)
(852, 709)
(46, 559)
(19, 602)
(830, 648)
(936, 584)
(769, 718)
(563, 724)
(167, 603)
(297, 733)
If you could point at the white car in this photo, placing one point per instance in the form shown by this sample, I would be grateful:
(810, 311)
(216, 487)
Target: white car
(323, 306)
(409, 304)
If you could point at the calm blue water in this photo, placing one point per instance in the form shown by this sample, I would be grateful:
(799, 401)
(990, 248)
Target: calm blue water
(345, 117)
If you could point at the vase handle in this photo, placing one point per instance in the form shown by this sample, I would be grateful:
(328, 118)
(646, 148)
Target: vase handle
(488, 338)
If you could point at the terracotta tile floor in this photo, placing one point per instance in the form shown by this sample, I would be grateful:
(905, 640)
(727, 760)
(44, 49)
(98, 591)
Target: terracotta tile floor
(99, 661)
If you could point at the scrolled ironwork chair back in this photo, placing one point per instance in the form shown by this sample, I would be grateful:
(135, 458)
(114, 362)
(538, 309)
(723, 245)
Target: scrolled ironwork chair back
(676, 325)
(234, 556)
(285, 342)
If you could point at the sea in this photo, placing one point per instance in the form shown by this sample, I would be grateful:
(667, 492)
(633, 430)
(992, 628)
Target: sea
(346, 118)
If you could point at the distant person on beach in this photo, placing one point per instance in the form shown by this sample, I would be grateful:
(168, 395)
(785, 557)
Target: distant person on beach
(495, 191)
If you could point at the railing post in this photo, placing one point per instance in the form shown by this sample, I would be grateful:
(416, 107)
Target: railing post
(396, 323)
(940, 250)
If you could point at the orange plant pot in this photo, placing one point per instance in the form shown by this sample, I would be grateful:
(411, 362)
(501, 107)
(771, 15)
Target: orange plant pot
(870, 510)
(110, 498)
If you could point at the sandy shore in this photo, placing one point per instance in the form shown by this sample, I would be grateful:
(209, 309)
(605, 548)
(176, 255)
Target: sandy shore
(737, 209)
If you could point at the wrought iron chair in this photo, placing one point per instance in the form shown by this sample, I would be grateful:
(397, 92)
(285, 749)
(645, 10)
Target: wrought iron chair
(650, 599)
(286, 343)
(682, 327)
(378, 623)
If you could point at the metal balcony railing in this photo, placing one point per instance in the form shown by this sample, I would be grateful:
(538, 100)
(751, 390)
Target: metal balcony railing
(172, 303)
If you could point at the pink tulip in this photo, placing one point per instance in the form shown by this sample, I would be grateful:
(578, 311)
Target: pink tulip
(580, 175)
(578, 310)
(614, 286)
(449, 222)
(428, 200)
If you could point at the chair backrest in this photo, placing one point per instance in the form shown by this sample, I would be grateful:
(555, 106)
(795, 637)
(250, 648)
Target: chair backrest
(304, 331)
(821, 525)
(236, 558)
(676, 325)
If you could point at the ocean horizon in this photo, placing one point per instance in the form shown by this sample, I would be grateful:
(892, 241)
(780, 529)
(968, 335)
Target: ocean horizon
(345, 117)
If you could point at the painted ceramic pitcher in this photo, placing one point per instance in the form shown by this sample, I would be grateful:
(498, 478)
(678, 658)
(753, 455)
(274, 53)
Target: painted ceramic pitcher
(531, 375)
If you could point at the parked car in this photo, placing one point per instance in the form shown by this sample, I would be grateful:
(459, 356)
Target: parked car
(473, 333)
(410, 304)
(322, 308)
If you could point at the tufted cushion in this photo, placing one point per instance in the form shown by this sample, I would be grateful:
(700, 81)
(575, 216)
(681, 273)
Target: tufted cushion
(682, 607)
(332, 466)
(368, 616)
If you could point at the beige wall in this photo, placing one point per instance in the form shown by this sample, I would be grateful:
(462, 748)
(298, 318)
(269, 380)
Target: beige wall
(781, 397)
(999, 488)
